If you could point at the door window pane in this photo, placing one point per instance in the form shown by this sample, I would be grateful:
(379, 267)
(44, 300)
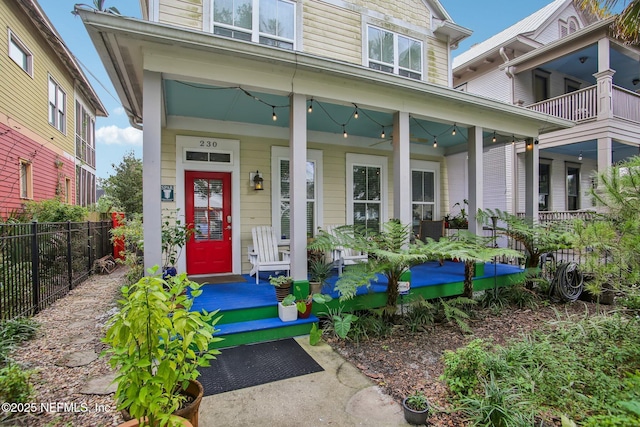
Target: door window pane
(207, 204)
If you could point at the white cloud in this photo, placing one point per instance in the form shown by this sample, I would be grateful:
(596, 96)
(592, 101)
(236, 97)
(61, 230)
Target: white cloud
(113, 135)
(118, 111)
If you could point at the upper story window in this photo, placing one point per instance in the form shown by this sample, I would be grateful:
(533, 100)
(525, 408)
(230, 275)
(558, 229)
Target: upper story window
(85, 132)
(394, 53)
(273, 24)
(20, 54)
(568, 27)
(57, 102)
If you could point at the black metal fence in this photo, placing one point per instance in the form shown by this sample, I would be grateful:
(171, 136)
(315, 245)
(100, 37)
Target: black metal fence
(42, 262)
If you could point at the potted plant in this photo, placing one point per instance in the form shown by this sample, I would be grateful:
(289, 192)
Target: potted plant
(282, 284)
(305, 305)
(319, 271)
(287, 310)
(416, 408)
(156, 344)
(175, 236)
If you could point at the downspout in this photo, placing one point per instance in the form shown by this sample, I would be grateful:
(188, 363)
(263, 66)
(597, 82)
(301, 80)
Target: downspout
(514, 182)
(509, 72)
(134, 124)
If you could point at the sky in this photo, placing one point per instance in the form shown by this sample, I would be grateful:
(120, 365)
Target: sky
(115, 137)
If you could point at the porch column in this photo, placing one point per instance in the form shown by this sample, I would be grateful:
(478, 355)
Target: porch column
(401, 168)
(476, 178)
(298, 184)
(605, 154)
(604, 81)
(151, 169)
(532, 184)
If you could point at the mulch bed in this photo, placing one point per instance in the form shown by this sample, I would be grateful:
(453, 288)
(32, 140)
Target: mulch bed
(406, 361)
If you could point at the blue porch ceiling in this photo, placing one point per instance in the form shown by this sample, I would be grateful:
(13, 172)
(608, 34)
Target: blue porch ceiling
(234, 104)
(589, 150)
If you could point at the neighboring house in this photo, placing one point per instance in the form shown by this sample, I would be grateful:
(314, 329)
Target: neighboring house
(565, 63)
(343, 108)
(47, 114)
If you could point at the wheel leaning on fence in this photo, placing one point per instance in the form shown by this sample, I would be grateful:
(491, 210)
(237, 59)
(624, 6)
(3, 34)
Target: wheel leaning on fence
(567, 284)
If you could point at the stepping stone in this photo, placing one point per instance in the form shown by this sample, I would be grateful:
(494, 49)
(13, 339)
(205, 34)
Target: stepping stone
(78, 358)
(81, 339)
(100, 385)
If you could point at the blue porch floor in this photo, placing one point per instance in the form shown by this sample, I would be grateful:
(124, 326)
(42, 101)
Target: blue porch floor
(237, 296)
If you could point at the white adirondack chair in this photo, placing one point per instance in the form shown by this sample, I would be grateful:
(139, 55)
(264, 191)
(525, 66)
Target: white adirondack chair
(264, 254)
(342, 256)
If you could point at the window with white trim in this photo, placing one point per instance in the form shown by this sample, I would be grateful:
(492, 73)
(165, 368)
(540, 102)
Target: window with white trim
(57, 103)
(272, 25)
(85, 187)
(26, 179)
(394, 53)
(20, 54)
(425, 177)
(281, 196)
(570, 26)
(366, 191)
(85, 132)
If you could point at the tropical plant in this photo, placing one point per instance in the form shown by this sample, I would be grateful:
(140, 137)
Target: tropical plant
(99, 6)
(175, 235)
(157, 343)
(280, 281)
(54, 210)
(319, 270)
(338, 323)
(626, 25)
(130, 231)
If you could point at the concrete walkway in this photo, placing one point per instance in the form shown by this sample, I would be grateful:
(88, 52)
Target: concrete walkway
(338, 396)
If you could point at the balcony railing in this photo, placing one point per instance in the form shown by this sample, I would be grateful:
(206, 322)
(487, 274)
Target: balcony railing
(626, 104)
(555, 216)
(582, 105)
(576, 106)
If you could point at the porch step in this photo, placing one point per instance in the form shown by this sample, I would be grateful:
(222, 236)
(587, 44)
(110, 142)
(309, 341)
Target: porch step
(261, 330)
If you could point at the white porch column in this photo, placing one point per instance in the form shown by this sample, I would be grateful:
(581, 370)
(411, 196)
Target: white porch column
(298, 184)
(401, 168)
(605, 155)
(532, 183)
(604, 81)
(476, 178)
(151, 169)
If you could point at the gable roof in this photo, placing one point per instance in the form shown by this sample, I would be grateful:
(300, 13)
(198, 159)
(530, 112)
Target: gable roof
(36, 15)
(528, 25)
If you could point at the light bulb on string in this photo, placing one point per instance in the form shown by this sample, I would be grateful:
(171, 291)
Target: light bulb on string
(513, 139)
(310, 109)
(382, 135)
(274, 116)
(355, 115)
(344, 132)
(453, 132)
(580, 156)
(494, 139)
(435, 142)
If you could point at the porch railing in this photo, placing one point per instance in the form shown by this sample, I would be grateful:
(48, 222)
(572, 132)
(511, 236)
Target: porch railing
(626, 104)
(576, 106)
(555, 216)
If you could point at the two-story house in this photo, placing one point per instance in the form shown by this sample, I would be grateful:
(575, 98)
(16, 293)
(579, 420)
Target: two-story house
(47, 114)
(568, 64)
(343, 109)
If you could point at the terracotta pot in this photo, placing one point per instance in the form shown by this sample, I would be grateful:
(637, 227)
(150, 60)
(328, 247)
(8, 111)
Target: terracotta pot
(282, 292)
(307, 311)
(315, 287)
(189, 413)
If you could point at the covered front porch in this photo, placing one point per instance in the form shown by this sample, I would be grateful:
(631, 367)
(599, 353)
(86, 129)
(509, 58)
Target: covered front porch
(249, 310)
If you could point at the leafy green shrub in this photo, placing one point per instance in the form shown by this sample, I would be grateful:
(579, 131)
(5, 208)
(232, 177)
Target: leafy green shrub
(455, 310)
(464, 367)
(337, 323)
(370, 324)
(13, 332)
(54, 210)
(421, 313)
(131, 232)
(14, 384)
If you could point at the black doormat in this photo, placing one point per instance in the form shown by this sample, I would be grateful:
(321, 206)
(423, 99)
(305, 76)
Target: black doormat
(254, 364)
(216, 280)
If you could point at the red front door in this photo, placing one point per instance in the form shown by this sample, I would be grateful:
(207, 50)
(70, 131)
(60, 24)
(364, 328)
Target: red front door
(208, 208)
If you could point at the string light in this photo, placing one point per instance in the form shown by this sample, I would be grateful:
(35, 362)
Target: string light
(453, 133)
(435, 142)
(580, 156)
(274, 116)
(344, 132)
(382, 135)
(494, 139)
(513, 139)
(355, 115)
(310, 109)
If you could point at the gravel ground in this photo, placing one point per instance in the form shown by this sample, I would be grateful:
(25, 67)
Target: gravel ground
(69, 334)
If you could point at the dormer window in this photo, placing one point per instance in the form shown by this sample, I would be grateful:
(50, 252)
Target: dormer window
(272, 25)
(394, 53)
(569, 26)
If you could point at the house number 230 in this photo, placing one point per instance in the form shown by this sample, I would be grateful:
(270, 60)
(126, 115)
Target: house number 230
(208, 144)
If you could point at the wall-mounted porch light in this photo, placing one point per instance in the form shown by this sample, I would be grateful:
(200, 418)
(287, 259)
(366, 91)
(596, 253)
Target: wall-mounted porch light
(257, 181)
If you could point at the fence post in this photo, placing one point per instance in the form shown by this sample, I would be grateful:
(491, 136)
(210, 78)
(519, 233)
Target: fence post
(69, 265)
(89, 246)
(35, 259)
